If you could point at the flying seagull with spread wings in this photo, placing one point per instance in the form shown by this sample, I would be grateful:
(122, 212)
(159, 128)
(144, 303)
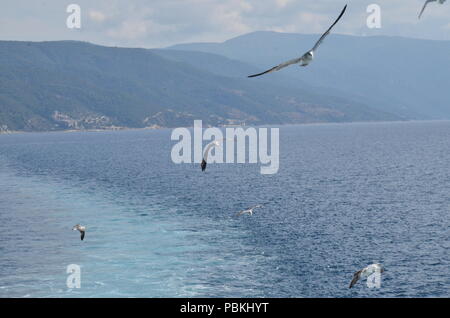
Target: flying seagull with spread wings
(208, 148)
(215, 143)
(81, 229)
(250, 210)
(366, 272)
(426, 4)
(308, 56)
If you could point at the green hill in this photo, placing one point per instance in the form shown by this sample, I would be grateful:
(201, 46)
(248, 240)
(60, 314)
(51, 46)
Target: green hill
(74, 85)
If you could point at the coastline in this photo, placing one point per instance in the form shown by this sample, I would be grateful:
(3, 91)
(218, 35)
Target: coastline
(14, 132)
(11, 132)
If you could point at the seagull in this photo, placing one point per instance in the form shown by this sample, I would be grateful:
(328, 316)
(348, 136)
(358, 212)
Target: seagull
(308, 56)
(366, 272)
(80, 228)
(205, 154)
(250, 210)
(426, 4)
(208, 147)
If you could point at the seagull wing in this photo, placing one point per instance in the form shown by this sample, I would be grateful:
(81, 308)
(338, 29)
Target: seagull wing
(279, 67)
(424, 6)
(208, 148)
(329, 30)
(206, 152)
(355, 278)
(82, 234)
(243, 212)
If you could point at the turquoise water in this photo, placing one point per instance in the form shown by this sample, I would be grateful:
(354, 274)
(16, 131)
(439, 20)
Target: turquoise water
(346, 195)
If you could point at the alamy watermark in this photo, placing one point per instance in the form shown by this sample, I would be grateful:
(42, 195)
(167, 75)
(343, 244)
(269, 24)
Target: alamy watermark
(235, 140)
(74, 19)
(374, 19)
(374, 280)
(74, 278)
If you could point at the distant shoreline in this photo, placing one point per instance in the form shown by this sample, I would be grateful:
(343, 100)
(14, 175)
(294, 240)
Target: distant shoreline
(14, 132)
(11, 132)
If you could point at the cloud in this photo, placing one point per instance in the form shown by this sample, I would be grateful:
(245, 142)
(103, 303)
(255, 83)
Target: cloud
(282, 3)
(138, 29)
(96, 16)
(229, 16)
(130, 30)
(160, 23)
(305, 22)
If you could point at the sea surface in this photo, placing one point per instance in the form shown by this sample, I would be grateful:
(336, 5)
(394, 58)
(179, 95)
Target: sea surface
(345, 196)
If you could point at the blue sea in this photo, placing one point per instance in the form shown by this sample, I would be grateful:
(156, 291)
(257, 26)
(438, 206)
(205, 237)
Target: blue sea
(345, 196)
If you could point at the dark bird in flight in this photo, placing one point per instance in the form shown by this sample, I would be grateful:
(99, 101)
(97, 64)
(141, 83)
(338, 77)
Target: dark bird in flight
(81, 229)
(426, 4)
(308, 56)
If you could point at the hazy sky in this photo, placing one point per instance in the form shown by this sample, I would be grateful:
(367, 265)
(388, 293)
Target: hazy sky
(158, 23)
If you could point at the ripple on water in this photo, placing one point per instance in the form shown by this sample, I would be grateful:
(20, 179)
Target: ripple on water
(345, 196)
